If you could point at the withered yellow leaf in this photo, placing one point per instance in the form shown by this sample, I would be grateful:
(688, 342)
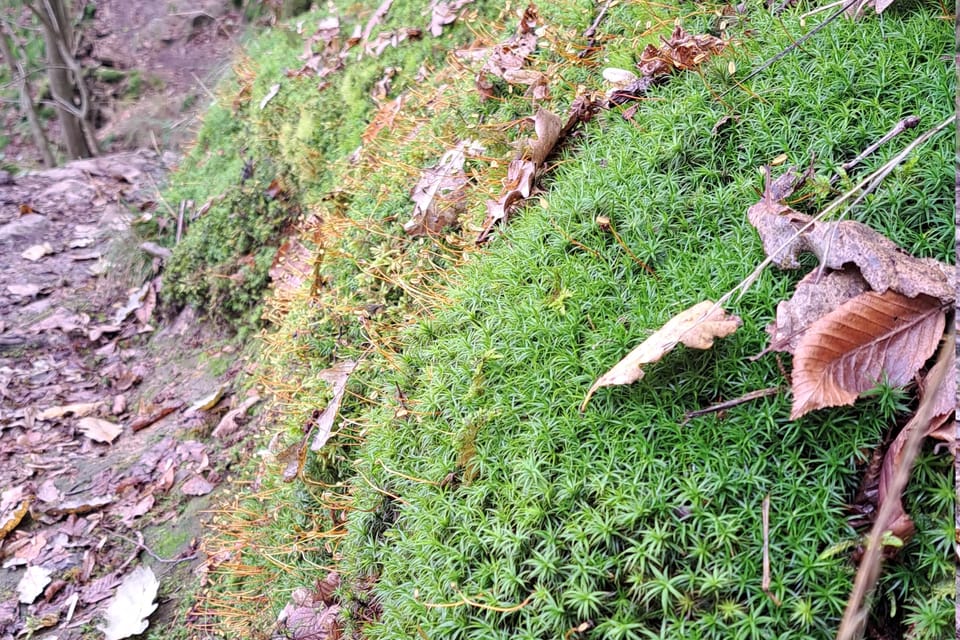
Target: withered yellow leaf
(696, 327)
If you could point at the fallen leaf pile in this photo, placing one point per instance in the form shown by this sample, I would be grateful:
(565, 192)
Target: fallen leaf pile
(443, 13)
(76, 479)
(682, 51)
(507, 59)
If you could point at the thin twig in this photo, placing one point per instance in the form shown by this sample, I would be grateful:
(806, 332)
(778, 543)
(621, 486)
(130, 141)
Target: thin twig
(406, 477)
(855, 615)
(765, 517)
(183, 208)
(142, 547)
(909, 122)
(881, 174)
(796, 43)
(729, 404)
(591, 32)
(203, 86)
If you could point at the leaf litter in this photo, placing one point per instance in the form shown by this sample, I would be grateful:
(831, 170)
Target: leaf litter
(72, 470)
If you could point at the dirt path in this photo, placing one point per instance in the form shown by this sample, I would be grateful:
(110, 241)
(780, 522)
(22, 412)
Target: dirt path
(99, 443)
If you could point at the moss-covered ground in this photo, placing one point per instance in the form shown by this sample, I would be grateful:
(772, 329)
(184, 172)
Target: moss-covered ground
(462, 482)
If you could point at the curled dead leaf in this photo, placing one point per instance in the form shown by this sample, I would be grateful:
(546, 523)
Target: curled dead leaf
(696, 327)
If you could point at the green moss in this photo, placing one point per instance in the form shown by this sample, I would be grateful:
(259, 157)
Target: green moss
(622, 515)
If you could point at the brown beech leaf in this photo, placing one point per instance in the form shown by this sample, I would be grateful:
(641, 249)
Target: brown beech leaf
(692, 327)
(812, 299)
(868, 338)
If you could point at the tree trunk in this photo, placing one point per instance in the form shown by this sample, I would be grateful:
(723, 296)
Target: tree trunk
(27, 108)
(66, 78)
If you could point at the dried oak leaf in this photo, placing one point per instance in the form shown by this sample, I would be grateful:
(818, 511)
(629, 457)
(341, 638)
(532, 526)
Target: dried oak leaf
(872, 337)
(696, 327)
(512, 54)
(444, 12)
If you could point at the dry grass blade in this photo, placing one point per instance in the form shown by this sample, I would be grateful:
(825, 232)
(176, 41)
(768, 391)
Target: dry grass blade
(851, 349)
(855, 615)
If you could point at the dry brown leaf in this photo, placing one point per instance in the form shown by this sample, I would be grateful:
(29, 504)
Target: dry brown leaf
(812, 300)
(692, 327)
(522, 171)
(77, 409)
(857, 8)
(386, 39)
(778, 223)
(197, 486)
(63, 320)
(99, 430)
(512, 54)
(883, 264)
(142, 421)
(14, 505)
(864, 341)
(337, 377)
(682, 51)
(438, 195)
(942, 426)
(444, 12)
(232, 419)
(24, 290)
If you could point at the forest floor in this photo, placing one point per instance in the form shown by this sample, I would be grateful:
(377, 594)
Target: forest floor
(106, 404)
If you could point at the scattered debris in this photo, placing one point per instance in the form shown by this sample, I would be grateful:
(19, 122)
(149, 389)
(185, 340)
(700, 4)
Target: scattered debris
(443, 13)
